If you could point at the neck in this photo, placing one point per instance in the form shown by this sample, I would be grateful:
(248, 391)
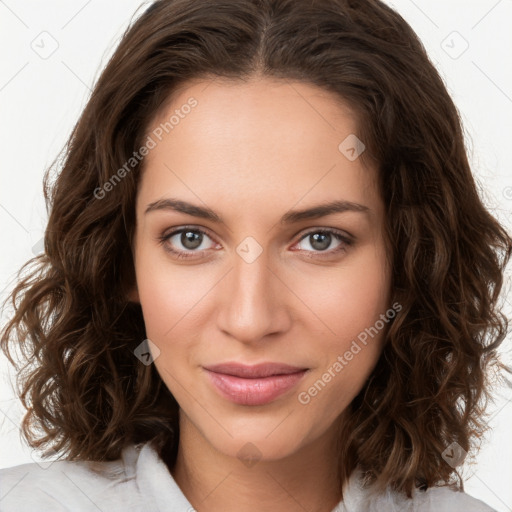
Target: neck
(215, 482)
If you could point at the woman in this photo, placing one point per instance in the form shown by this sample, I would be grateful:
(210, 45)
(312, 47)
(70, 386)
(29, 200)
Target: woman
(268, 282)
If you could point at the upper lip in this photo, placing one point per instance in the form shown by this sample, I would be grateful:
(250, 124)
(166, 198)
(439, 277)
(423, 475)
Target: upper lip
(254, 371)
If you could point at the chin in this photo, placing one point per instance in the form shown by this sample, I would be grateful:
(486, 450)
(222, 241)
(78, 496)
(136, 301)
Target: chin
(264, 441)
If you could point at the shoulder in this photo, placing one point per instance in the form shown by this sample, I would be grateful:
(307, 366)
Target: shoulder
(439, 498)
(434, 499)
(73, 486)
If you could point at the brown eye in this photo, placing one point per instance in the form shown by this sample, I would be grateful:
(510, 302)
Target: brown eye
(185, 242)
(191, 239)
(324, 241)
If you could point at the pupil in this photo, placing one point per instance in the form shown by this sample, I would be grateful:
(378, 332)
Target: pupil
(191, 240)
(324, 238)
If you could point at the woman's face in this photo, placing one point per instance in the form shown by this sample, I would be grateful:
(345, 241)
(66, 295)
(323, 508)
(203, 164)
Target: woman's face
(259, 272)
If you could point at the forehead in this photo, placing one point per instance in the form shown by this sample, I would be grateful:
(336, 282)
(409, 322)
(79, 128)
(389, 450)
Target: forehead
(229, 111)
(262, 140)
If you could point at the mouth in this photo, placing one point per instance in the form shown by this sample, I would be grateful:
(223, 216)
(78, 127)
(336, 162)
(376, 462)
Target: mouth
(254, 385)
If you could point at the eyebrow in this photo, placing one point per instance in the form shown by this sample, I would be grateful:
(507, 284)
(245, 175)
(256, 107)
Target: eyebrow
(290, 217)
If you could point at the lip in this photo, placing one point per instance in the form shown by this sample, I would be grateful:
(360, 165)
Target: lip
(254, 371)
(254, 385)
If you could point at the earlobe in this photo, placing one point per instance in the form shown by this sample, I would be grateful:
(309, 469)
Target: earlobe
(133, 295)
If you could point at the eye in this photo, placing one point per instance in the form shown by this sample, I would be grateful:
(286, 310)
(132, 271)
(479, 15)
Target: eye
(186, 241)
(324, 240)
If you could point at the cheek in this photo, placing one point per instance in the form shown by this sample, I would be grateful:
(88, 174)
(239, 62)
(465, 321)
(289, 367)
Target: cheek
(170, 295)
(349, 301)
(347, 298)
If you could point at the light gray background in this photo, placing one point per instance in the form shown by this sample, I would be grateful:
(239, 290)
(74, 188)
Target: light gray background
(42, 94)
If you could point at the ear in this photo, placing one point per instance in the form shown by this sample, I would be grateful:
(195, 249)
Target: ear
(133, 294)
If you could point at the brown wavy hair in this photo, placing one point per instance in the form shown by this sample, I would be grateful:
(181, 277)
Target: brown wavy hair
(74, 330)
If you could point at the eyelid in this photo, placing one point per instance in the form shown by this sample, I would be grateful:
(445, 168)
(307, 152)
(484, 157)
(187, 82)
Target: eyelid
(344, 238)
(164, 238)
(180, 229)
(333, 231)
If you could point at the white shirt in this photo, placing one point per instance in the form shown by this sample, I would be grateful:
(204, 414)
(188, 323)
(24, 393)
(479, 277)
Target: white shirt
(140, 481)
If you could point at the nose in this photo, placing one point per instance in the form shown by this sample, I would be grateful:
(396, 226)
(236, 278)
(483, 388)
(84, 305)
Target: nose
(254, 303)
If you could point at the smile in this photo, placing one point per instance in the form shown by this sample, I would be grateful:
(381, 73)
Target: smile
(254, 390)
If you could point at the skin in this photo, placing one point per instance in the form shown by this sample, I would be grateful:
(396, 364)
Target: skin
(252, 151)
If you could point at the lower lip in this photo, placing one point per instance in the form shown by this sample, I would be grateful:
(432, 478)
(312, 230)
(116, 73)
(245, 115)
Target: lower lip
(254, 391)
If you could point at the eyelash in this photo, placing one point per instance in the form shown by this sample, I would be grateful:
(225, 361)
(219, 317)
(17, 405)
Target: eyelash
(346, 242)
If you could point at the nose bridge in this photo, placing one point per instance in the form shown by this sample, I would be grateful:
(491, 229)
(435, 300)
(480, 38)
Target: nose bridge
(252, 306)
